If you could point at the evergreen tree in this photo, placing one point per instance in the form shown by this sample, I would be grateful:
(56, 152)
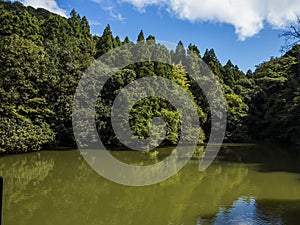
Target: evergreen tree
(151, 38)
(229, 74)
(118, 41)
(141, 36)
(43, 56)
(105, 43)
(180, 54)
(212, 61)
(193, 49)
(126, 40)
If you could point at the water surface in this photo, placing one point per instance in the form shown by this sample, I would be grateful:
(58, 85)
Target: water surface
(247, 184)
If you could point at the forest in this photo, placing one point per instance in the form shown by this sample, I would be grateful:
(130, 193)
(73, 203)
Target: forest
(43, 56)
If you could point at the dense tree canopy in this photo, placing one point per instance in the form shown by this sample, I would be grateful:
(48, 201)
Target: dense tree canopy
(43, 56)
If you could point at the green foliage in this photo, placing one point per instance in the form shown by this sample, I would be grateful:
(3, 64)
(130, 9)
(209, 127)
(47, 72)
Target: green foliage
(44, 55)
(146, 109)
(179, 56)
(278, 98)
(237, 112)
(141, 36)
(193, 49)
(105, 42)
(18, 136)
(212, 61)
(24, 110)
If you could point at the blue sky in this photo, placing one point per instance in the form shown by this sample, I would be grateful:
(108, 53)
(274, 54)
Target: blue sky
(247, 32)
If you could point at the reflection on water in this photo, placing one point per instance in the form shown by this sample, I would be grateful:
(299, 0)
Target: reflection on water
(245, 185)
(251, 211)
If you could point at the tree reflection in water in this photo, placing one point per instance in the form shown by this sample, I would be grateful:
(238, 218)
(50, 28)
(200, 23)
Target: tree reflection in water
(60, 188)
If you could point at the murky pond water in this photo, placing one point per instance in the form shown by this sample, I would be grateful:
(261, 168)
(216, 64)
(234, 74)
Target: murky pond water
(246, 184)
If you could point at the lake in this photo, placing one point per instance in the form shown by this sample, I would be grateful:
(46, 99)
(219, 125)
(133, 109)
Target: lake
(246, 184)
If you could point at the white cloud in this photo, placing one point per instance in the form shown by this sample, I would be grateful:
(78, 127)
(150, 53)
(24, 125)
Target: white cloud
(111, 10)
(50, 5)
(247, 16)
(95, 23)
(97, 1)
(114, 14)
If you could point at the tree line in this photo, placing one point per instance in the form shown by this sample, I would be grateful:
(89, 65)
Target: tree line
(43, 56)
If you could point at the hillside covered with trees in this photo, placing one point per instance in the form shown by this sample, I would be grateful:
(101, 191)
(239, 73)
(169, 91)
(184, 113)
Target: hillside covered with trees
(43, 56)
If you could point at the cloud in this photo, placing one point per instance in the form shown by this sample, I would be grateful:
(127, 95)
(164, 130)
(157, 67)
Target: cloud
(97, 1)
(95, 23)
(50, 5)
(111, 10)
(114, 14)
(247, 16)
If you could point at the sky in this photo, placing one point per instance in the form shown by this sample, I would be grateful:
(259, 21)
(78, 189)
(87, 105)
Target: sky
(244, 31)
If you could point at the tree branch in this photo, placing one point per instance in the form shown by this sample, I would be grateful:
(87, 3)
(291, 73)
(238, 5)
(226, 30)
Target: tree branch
(291, 36)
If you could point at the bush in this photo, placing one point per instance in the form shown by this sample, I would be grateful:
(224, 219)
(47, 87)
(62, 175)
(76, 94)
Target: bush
(18, 136)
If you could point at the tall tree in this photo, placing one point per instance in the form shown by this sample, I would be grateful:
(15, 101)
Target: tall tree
(105, 43)
(212, 61)
(179, 56)
(141, 36)
(193, 49)
(24, 109)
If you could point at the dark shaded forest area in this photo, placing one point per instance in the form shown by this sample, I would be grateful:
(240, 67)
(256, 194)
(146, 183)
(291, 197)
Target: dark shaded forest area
(43, 56)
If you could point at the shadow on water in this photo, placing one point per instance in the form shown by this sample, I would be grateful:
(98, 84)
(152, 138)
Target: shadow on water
(287, 211)
(270, 157)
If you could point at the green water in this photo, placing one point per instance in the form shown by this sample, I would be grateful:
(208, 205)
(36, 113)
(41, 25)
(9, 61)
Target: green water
(245, 185)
